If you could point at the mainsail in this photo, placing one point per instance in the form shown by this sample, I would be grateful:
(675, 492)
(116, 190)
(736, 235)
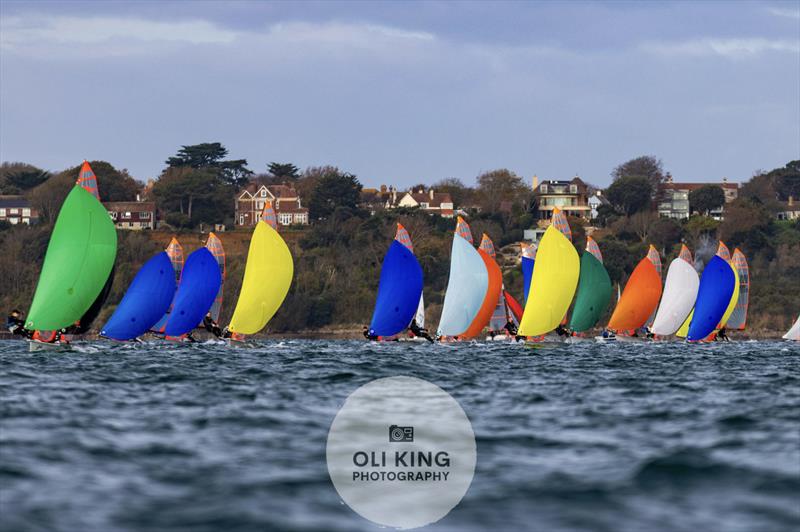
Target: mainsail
(715, 291)
(145, 301)
(680, 293)
(553, 283)
(594, 289)
(175, 254)
(214, 245)
(639, 298)
(738, 319)
(467, 285)
(267, 277)
(79, 260)
(501, 314)
(794, 332)
(200, 282)
(399, 289)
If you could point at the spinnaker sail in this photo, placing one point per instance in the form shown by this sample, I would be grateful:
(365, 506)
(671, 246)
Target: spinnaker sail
(738, 319)
(594, 289)
(399, 289)
(490, 299)
(528, 260)
(175, 253)
(680, 293)
(466, 286)
(267, 277)
(553, 284)
(79, 260)
(200, 282)
(639, 298)
(713, 296)
(145, 302)
(214, 245)
(794, 332)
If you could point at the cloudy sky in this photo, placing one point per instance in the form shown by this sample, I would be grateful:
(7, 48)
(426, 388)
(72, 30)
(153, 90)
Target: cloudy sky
(405, 92)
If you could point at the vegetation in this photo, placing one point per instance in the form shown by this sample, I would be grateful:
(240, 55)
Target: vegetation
(630, 194)
(707, 198)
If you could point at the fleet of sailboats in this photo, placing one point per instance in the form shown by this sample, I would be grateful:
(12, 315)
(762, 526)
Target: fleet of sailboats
(171, 297)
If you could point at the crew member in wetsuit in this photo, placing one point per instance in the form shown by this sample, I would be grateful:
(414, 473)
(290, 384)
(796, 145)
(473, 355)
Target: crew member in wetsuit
(511, 327)
(562, 331)
(722, 335)
(211, 325)
(422, 332)
(369, 336)
(16, 325)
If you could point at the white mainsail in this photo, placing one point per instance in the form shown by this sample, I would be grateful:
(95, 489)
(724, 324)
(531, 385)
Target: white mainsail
(794, 332)
(680, 293)
(420, 317)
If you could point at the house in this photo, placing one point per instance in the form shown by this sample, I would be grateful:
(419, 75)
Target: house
(595, 201)
(285, 200)
(431, 201)
(571, 196)
(673, 198)
(133, 215)
(789, 210)
(17, 210)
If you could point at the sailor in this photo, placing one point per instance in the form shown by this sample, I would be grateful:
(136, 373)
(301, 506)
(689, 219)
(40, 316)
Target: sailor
(16, 324)
(563, 331)
(722, 335)
(422, 332)
(368, 335)
(211, 325)
(511, 327)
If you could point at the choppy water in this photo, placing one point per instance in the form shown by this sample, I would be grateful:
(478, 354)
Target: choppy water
(625, 437)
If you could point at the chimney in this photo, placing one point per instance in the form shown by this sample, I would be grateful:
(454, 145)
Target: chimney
(599, 193)
(669, 177)
(724, 180)
(394, 195)
(791, 201)
(535, 182)
(431, 193)
(138, 197)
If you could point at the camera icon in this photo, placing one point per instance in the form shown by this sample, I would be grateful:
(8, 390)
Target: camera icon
(400, 434)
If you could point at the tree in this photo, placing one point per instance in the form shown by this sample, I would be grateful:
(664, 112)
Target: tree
(283, 171)
(113, 184)
(630, 194)
(647, 166)
(334, 190)
(499, 188)
(665, 232)
(460, 193)
(48, 197)
(642, 224)
(706, 198)
(196, 193)
(16, 178)
(211, 155)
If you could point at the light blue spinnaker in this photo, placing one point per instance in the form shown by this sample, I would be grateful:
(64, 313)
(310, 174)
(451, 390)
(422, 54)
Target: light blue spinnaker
(466, 288)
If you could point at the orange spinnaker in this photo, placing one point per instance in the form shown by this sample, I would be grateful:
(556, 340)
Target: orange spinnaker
(639, 299)
(489, 301)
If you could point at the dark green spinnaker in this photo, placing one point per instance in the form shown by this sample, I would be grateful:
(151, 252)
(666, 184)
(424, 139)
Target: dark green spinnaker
(77, 265)
(594, 294)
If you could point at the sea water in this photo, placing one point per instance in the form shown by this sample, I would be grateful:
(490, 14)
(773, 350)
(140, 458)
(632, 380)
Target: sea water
(570, 437)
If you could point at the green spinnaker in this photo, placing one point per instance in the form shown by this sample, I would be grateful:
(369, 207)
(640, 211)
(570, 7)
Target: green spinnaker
(79, 259)
(594, 294)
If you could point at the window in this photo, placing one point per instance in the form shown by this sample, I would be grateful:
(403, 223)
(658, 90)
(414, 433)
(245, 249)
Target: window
(144, 215)
(127, 214)
(424, 205)
(2, 213)
(26, 212)
(14, 221)
(241, 219)
(543, 189)
(573, 189)
(13, 211)
(113, 215)
(263, 193)
(260, 206)
(285, 218)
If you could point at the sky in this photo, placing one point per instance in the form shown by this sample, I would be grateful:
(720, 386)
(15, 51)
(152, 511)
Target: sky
(408, 92)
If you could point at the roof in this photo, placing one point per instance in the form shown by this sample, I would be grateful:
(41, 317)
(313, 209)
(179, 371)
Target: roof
(279, 191)
(794, 207)
(425, 197)
(130, 206)
(14, 202)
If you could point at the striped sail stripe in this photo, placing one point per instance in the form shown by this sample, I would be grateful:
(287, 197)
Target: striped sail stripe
(403, 237)
(593, 248)
(488, 246)
(462, 230)
(87, 180)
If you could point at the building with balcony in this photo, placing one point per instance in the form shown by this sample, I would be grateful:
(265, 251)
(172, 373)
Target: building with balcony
(17, 210)
(572, 197)
(285, 200)
(673, 198)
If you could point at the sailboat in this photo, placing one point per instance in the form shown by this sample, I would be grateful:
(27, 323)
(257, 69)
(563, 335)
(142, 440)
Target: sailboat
(738, 319)
(794, 332)
(639, 298)
(680, 293)
(175, 254)
(145, 302)
(472, 289)
(503, 312)
(554, 280)
(717, 286)
(399, 289)
(594, 289)
(200, 283)
(267, 278)
(78, 264)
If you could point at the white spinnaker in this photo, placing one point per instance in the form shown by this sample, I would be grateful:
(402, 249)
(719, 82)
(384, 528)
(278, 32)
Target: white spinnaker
(680, 293)
(466, 288)
(794, 332)
(420, 317)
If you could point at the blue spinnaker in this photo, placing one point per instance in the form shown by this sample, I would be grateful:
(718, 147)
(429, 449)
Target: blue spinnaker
(398, 292)
(527, 275)
(200, 282)
(713, 296)
(146, 300)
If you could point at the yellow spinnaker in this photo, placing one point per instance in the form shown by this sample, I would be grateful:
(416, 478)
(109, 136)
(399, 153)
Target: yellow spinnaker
(553, 285)
(267, 277)
(684, 330)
